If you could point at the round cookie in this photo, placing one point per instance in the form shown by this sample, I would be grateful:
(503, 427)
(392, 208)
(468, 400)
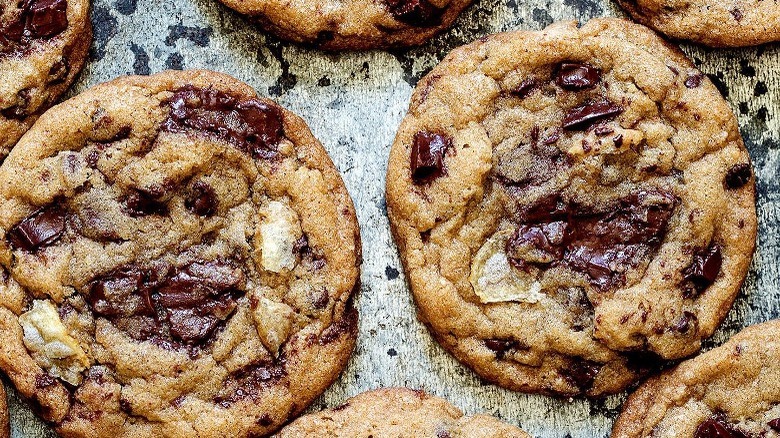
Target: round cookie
(43, 46)
(178, 258)
(396, 413)
(732, 391)
(570, 206)
(715, 23)
(352, 24)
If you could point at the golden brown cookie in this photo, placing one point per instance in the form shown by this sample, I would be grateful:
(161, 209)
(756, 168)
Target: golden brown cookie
(732, 391)
(570, 206)
(43, 46)
(398, 413)
(716, 23)
(178, 258)
(352, 24)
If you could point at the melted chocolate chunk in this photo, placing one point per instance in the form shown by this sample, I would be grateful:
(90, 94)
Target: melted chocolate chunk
(525, 88)
(694, 80)
(138, 204)
(775, 424)
(40, 229)
(182, 306)
(203, 200)
(500, 346)
(738, 176)
(581, 373)
(704, 269)
(584, 116)
(19, 110)
(38, 19)
(575, 77)
(427, 159)
(718, 427)
(252, 126)
(421, 13)
(603, 244)
(59, 71)
(684, 324)
(249, 382)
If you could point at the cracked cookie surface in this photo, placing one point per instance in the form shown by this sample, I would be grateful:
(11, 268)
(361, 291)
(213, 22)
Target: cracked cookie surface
(178, 258)
(43, 46)
(353, 24)
(571, 206)
(732, 391)
(398, 413)
(716, 23)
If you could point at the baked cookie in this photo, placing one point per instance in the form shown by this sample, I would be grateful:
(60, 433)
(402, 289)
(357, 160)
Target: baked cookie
(43, 45)
(5, 425)
(732, 391)
(397, 413)
(352, 24)
(716, 23)
(571, 205)
(178, 258)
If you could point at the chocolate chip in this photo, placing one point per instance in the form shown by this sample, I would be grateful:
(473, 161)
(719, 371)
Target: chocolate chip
(499, 346)
(775, 424)
(738, 175)
(718, 427)
(575, 77)
(525, 88)
(427, 159)
(40, 229)
(684, 324)
(59, 71)
(253, 126)
(248, 382)
(583, 116)
(581, 373)
(704, 268)
(19, 110)
(138, 204)
(694, 80)
(737, 14)
(537, 243)
(265, 420)
(420, 13)
(44, 380)
(47, 18)
(120, 294)
(202, 200)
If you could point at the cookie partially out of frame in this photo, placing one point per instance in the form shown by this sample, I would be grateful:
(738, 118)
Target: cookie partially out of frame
(43, 46)
(353, 24)
(732, 391)
(716, 23)
(398, 413)
(178, 258)
(571, 205)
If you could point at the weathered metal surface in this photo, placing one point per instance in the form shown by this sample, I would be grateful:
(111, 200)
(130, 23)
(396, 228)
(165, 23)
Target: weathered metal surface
(353, 103)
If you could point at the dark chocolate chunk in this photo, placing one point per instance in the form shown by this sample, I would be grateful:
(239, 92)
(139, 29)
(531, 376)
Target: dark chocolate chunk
(59, 71)
(704, 268)
(19, 110)
(602, 244)
(718, 427)
(583, 116)
(738, 175)
(253, 126)
(575, 77)
(202, 200)
(581, 373)
(525, 88)
(737, 14)
(182, 306)
(775, 424)
(427, 158)
(421, 13)
(684, 324)
(47, 18)
(694, 80)
(249, 382)
(40, 229)
(500, 346)
(139, 203)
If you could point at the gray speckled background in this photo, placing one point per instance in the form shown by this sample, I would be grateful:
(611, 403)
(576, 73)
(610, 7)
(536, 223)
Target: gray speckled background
(353, 102)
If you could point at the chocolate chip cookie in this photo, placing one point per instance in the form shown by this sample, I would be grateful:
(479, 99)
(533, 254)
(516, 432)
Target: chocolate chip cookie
(43, 45)
(716, 23)
(732, 391)
(178, 258)
(352, 24)
(571, 206)
(398, 412)
(5, 425)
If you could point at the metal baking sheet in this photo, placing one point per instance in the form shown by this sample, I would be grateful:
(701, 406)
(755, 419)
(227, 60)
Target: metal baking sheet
(353, 103)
